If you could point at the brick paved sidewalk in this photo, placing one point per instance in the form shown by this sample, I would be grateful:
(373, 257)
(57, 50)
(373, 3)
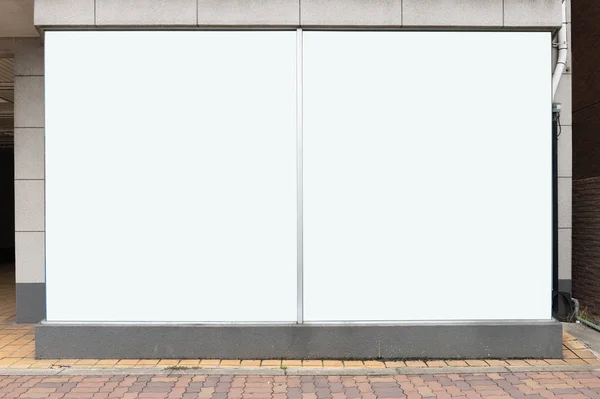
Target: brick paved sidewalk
(446, 386)
(17, 352)
(17, 342)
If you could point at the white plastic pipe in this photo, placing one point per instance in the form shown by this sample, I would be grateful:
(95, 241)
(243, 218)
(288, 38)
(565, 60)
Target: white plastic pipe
(563, 47)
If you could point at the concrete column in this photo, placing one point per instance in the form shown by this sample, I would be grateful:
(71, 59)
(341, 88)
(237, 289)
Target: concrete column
(29, 180)
(565, 171)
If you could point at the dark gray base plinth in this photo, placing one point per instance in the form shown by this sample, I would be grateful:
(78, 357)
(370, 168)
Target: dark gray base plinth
(31, 302)
(399, 341)
(565, 285)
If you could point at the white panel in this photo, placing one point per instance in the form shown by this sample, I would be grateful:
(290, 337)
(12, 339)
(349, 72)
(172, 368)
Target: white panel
(427, 176)
(170, 167)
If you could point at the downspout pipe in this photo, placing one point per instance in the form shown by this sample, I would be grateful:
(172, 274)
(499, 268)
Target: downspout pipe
(555, 294)
(563, 47)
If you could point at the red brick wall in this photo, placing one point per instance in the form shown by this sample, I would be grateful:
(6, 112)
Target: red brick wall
(585, 29)
(586, 243)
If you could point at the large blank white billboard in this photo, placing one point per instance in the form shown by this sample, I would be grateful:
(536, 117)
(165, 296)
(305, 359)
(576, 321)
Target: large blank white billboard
(171, 176)
(427, 176)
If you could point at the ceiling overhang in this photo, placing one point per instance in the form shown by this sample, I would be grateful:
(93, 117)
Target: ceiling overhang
(16, 19)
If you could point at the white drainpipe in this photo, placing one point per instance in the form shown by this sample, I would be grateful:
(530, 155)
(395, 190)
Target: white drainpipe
(562, 50)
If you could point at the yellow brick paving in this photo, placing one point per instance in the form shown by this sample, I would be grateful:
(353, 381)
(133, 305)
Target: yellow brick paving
(17, 351)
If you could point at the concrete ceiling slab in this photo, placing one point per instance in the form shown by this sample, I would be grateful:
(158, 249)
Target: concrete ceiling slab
(16, 19)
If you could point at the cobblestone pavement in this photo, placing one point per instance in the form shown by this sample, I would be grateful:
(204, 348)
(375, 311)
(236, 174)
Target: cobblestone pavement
(469, 386)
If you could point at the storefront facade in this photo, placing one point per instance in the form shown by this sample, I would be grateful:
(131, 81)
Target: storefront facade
(285, 180)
